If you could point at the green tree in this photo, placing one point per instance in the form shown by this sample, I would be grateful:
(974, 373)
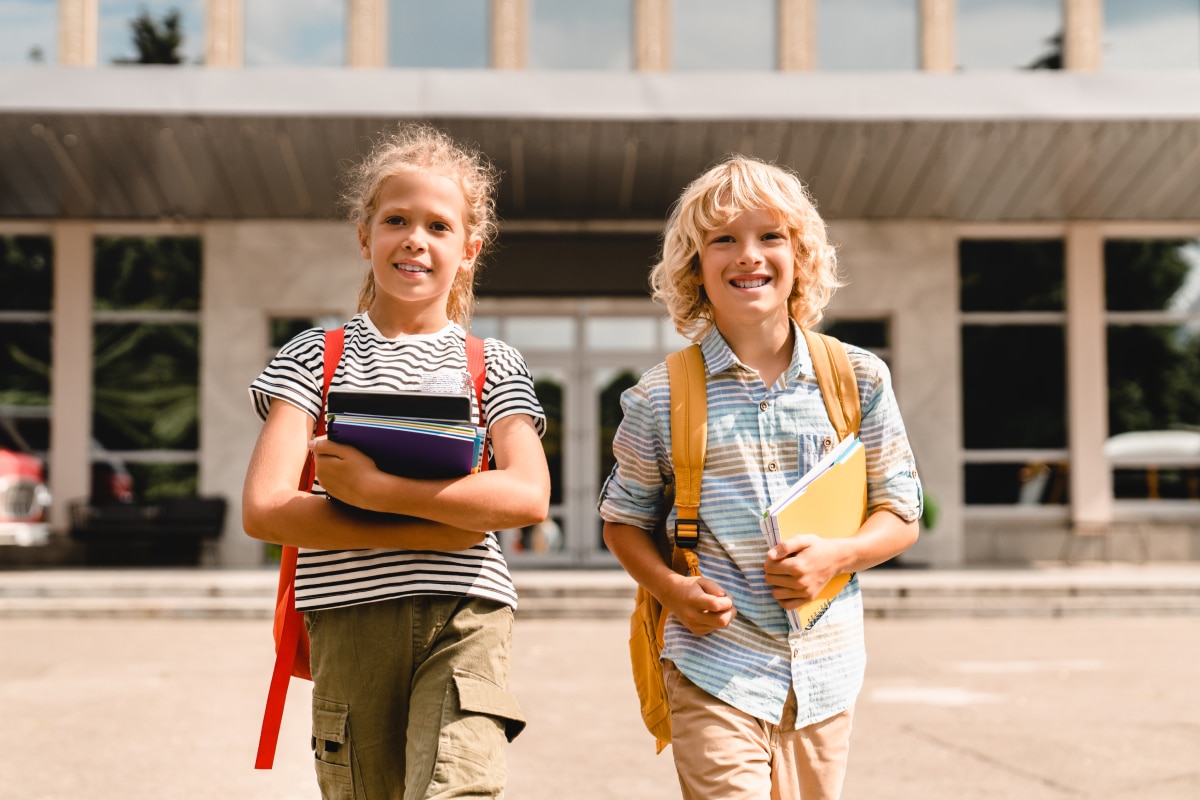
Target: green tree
(157, 41)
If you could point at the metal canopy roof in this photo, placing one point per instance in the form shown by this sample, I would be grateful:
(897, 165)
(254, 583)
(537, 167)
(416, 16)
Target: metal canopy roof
(192, 143)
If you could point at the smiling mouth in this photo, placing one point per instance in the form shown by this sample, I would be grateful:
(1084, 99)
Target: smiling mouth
(413, 268)
(752, 283)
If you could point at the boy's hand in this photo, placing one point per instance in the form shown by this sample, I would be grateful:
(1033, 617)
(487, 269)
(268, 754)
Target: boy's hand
(341, 469)
(798, 568)
(702, 606)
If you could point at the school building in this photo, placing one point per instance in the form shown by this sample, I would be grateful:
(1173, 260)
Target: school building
(1012, 186)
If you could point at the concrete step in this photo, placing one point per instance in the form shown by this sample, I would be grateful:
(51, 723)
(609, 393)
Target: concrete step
(193, 593)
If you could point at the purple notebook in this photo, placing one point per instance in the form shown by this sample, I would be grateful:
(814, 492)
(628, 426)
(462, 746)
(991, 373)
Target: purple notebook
(411, 453)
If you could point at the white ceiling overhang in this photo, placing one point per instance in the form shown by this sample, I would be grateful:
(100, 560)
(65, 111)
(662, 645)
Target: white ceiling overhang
(193, 143)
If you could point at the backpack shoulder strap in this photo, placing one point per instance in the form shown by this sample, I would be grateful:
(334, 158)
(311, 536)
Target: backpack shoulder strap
(689, 439)
(477, 366)
(290, 637)
(835, 376)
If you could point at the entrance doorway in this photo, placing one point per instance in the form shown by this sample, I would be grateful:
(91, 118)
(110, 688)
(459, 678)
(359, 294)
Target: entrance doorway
(583, 353)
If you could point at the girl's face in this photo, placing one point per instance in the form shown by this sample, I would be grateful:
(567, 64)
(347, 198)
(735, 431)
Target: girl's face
(417, 244)
(747, 269)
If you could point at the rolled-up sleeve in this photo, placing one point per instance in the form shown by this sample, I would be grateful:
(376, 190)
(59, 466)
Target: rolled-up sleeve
(633, 493)
(892, 481)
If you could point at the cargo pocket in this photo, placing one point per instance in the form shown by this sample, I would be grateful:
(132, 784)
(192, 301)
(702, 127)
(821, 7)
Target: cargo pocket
(331, 748)
(479, 696)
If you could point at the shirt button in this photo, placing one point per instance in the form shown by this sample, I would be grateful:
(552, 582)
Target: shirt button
(762, 406)
(772, 466)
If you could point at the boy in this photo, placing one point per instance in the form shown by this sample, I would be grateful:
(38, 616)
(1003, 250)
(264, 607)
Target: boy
(756, 711)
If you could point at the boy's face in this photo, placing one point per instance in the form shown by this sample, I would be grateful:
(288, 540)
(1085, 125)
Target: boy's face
(747, 269)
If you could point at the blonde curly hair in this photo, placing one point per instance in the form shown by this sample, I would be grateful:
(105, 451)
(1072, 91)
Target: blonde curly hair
(419, 147)
(739, 184)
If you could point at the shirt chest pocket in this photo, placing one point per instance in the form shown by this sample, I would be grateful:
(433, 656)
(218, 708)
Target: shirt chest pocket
(811, 448)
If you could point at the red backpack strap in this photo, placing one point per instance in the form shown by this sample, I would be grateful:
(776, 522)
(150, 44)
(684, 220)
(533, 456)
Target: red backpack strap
(477, 366)
(291, 640)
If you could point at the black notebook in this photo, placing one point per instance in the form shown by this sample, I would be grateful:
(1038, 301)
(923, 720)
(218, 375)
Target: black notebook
(444, 407)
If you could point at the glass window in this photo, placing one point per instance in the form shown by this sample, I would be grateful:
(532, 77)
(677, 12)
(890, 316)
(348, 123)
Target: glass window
(540, 333)
(869, 334)
(26, 273)
(867, 35)
(1151, 34)
(548, 536)
(1152, 297)
(145, 368)
(30, 32)
(716, 34)
(620, 333)
(118, 38)
(1010, 34)
(449, 33)
(1013, 371)
(593, 35)
(295, 33)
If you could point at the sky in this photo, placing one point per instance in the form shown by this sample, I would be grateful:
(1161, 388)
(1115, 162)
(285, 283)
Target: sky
(852, 34)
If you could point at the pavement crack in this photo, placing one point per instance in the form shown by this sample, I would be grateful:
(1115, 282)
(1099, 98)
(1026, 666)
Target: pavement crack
(994, 762)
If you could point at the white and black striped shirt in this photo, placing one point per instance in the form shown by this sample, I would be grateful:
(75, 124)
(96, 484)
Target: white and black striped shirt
(333, 578)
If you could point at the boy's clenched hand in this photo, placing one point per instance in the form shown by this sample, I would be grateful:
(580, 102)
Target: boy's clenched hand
(798, 568)
(701, 604)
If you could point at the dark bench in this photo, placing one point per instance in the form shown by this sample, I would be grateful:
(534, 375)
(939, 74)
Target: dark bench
(174, 531)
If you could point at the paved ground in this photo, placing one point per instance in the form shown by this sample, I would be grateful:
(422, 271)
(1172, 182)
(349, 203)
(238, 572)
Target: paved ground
(1080, 707)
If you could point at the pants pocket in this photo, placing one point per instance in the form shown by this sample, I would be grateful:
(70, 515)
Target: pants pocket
(331, 748)
(479, 696)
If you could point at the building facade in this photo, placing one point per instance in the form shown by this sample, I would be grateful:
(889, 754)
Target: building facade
(1011, 187)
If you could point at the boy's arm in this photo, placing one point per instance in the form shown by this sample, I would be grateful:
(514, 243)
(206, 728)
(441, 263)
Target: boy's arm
(699, 602)
(514, 494)
(798, 568)
(274, 510)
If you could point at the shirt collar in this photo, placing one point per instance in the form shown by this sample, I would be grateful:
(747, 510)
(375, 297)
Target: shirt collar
(719, 357)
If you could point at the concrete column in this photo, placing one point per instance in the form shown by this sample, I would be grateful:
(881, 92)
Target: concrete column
(366, 33)
(224, 32)
(71, 369)
(1087, 390)
(652, 35)
(797, 35)
(510, 34)
(937, 36)
(1083, 31)
(78, 26)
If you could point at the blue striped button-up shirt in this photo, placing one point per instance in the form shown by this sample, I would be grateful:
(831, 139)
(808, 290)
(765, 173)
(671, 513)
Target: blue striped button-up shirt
(761, 440)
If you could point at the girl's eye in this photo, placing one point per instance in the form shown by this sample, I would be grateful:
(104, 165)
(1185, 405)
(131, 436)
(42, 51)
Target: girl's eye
(393, 220)
(722, 239)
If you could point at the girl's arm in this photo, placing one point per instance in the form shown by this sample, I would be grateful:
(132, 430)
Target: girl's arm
(798, 568)
(514, 494)
(275, 510)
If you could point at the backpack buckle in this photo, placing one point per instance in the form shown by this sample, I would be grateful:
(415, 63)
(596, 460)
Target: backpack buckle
(687, 533)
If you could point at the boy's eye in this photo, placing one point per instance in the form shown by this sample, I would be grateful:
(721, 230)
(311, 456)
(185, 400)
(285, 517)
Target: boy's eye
(393, 220)
(773, 235)
(440, 226)
(722, 239)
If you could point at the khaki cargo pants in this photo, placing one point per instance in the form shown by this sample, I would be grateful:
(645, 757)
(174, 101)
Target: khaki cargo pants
(411, 698)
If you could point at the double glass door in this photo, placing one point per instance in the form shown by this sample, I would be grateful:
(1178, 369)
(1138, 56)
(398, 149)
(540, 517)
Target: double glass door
(583, 354)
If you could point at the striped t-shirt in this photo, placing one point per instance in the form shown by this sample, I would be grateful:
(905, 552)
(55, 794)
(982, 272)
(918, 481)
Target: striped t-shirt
(761, 439)
(333, 578)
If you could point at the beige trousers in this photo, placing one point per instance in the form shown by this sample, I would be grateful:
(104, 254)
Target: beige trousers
(722, 753)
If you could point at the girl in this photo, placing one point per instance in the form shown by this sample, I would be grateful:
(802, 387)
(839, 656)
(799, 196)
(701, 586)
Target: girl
(756, 711)
(409, 617)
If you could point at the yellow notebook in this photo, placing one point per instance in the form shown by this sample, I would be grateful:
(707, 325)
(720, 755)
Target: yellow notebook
(830, 500)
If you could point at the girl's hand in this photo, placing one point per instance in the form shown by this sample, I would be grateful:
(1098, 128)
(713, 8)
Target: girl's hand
(702, 605)
(797, 569)
(342, 470)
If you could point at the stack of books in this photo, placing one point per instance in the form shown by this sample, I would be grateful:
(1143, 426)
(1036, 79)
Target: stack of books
(830, 500)
(411, 434)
